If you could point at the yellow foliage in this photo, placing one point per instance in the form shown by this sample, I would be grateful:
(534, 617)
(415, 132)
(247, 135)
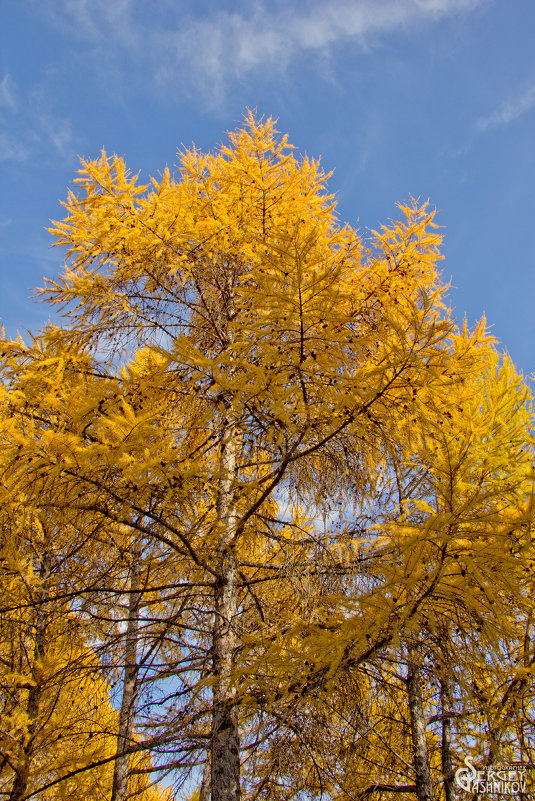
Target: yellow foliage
(283, 417)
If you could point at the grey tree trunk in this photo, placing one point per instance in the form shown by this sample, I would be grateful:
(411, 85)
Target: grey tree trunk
(447, 761)
(205, 793)
(424, 786)
(225, 741)
(130, 685)
(20, 784)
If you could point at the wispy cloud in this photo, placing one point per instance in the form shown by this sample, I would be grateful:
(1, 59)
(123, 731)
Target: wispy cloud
(11, 148)
(508, 112)
(7, 93)
(91, 19)
(211, 51)
(28, 125)
(227, 45)
(52, 130)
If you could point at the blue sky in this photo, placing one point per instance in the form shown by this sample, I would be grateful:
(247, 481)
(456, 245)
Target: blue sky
(426, 98)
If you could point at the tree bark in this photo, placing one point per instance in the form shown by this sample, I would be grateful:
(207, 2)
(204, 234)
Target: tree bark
(205, 792)
(447, 761)
(130, 686)
(20, 784)
(225, 741)
(424, 786)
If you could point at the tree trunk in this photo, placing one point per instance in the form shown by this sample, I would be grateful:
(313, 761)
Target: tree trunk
(424, 786)
(205, 792)
(225, 741)
(20, 784)
(130, 687)
(447, 761)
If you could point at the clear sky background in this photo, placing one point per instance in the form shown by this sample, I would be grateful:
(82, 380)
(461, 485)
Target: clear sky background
(425, 98)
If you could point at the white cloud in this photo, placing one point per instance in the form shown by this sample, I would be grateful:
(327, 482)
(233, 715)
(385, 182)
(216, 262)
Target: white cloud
(230, 44)
(28, 124)
(58, 132)
(12, 149)
(7, 93)
(90, 19)
(209, 51)
(509, 112)
(50, 129)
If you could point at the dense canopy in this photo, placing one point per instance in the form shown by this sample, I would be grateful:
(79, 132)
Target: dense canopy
(267, 519)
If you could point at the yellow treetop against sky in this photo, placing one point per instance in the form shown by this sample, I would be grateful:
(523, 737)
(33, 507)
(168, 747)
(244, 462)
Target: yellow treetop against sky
(272, 468)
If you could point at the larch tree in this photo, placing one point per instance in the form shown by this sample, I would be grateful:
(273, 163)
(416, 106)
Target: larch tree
(55, 710)
(65, 568)
(287, 332)
(239, 363)
(56, 717)
(454, 501)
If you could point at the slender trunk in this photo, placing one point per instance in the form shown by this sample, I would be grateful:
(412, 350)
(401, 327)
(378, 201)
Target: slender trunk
(20, 784)
(447, 761)
(424, 786)
(225, 744)
(205, 793)
(130, 687)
